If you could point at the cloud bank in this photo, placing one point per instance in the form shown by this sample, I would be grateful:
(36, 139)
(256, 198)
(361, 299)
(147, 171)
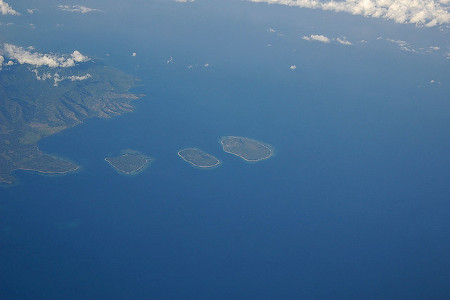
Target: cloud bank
(38, 59)
(423, 12)
(77, 8)
(5, 9)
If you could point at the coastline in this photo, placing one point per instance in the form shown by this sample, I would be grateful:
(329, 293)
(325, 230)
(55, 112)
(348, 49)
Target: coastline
(110, 98)
(249, 160)
(268, 147)
(200, 166)
(47, 172)
(148, 161)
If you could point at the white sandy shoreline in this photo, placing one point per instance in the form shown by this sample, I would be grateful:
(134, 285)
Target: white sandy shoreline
(134, 172)
(199, 166)
(47, 172)
(246, 159)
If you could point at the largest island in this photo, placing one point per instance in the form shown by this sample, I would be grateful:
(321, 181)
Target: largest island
(34, 105)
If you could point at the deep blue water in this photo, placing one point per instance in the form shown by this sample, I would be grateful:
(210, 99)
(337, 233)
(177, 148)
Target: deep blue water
(354, 204)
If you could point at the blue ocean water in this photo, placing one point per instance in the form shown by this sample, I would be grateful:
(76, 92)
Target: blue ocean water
(354, 204)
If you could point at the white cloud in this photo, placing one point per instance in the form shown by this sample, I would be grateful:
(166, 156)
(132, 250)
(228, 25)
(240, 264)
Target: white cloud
(78, 57)
(184, 1)
(134, 54)
(77, 8)
(293, 67)
(58, 78)
(404, 45)
(343, 41)
(316, 37)
(170, 60)
(2, 60)
(44, 76)
(5, 9)
(32, 10)
(324, 39)
(206, 65)
(38, 59)
(430, 49)
(79, 78)
(427, 12)
(271, 30)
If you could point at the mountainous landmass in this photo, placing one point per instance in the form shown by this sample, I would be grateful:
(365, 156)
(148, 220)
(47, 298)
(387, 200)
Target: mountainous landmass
(38, 102)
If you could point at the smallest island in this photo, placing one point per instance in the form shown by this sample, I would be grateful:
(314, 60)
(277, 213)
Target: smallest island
(130, 162)
(247, 149)
(198, 158)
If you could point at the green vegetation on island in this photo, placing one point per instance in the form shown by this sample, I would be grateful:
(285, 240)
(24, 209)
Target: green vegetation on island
(130, 162)
(34, 105)
(245, 148)
(198, 158)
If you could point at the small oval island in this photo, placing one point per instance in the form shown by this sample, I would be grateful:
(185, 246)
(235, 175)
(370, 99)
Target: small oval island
(198, 158)
(245, 148)
(130, 162)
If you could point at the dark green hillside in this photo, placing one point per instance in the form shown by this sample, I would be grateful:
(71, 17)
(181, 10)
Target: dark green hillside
(31, 109)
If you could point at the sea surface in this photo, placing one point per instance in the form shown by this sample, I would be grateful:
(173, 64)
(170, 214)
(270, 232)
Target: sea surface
(354, 204)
